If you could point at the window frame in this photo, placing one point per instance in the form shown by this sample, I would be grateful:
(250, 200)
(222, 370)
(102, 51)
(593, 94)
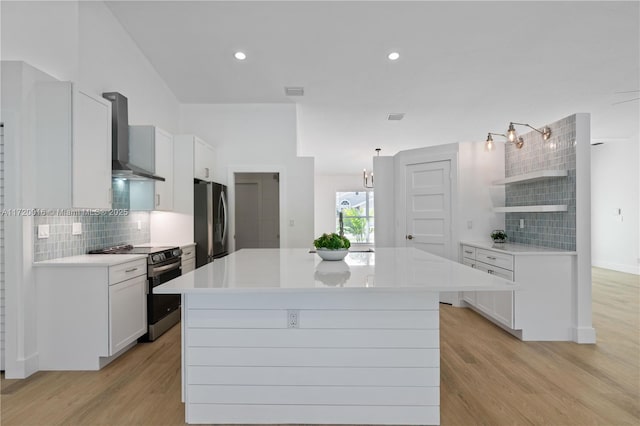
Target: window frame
(369, 199)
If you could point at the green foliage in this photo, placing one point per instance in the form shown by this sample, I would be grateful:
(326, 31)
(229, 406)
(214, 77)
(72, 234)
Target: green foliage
(356, 226)
(499, 234)
(332, 241)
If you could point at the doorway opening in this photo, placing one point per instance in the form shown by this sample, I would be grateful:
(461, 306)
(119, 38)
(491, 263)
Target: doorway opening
(257, 210)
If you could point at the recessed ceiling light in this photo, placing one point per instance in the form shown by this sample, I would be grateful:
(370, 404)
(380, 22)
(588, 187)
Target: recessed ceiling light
(240, 56)
(393, 56)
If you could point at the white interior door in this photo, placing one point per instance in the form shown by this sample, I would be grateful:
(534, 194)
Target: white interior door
(428, 209)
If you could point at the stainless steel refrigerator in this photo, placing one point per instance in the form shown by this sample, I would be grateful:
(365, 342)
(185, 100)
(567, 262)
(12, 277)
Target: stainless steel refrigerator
(210, 221)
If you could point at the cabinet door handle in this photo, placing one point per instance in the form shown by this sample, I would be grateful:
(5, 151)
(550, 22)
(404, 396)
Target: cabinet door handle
(409, 237)
(157, 200)
(491, 257)
(473, 265)
(187, 253)
(131, 270)
(468, 252)
(206, 172)
(490, 271)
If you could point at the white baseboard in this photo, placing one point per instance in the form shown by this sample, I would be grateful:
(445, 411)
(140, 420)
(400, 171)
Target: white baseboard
(585, 335)
(23, 368)
(629, 269)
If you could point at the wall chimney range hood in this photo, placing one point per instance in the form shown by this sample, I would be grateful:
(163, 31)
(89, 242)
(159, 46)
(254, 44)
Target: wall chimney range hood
(120, 166)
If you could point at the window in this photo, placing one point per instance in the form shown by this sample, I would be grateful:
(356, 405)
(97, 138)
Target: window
(357, 215)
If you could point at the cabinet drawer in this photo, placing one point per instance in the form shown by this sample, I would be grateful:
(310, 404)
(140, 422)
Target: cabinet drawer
(188, 252)
(494, 270)
(188, 266)
(469, 252)
(469, 262)
(127, 270)
(500, 260)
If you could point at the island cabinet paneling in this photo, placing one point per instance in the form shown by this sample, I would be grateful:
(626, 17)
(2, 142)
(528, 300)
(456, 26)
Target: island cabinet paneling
(291, 358)
(326, 376)
(314, 318)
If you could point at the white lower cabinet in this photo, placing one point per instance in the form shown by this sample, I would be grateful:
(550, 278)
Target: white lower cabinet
(469, 296)
(499, 305)
(188, 258)
(88, 313)
(542, 308)
(127, 312)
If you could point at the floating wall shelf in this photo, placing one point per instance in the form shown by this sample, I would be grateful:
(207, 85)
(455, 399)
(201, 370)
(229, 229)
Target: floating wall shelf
(532, 177)
(532, 209)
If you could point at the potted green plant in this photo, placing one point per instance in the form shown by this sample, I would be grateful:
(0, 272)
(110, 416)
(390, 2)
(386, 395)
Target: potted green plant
(499, 236)
(332, 246)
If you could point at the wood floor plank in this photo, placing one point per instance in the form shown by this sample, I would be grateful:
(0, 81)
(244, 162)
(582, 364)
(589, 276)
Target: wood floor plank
(488, 377)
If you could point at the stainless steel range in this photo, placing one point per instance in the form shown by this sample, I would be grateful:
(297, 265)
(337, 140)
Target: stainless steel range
(163, 264)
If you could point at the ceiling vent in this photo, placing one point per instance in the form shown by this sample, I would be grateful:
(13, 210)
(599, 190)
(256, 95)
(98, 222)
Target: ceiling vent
(395, 116)
(294, 91)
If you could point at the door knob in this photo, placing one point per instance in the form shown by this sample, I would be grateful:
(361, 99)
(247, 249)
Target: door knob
(409, 237)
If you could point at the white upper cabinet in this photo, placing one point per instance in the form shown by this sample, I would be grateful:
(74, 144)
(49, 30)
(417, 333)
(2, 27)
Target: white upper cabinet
(192, 158)
(204, 157)
(164, 168)
(91, 151)
(73, 148)
(151, 148)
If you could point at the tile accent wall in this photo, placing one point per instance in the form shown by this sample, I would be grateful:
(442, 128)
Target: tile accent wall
(558, 229)
(97, 231)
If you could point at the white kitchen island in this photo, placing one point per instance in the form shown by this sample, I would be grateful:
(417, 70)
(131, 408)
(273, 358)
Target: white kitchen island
(280, 336)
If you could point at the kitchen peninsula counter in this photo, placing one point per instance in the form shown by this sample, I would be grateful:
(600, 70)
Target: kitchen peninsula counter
(517, 249)
(280, 336)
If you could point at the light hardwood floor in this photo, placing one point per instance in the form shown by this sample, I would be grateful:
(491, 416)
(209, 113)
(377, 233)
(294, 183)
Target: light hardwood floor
(488, 376)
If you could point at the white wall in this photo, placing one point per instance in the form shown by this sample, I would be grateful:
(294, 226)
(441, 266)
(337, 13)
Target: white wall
(84, 43)
(42, 33)
(384, 201)
(477, 169)
(615, 184)
(326, 187)
(111, 62)
(259, 138)
(81, 42)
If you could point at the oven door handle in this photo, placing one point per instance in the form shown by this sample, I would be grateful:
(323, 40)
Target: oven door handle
(157, 271)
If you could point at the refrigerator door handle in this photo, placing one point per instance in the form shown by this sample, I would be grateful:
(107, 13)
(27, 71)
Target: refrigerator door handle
(223, 197)
(210, 221)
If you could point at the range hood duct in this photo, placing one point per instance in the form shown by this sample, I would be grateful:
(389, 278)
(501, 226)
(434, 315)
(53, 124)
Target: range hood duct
(120, 166)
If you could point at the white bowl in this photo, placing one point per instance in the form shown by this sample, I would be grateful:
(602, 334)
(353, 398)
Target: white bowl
(327, 254)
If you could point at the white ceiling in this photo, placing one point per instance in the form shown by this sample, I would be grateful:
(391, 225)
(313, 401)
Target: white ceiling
(466, 68)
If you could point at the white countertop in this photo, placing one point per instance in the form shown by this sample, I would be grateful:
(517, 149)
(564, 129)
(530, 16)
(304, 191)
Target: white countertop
(165, 245)
(91, 260)
(518, 249)
(251, 270)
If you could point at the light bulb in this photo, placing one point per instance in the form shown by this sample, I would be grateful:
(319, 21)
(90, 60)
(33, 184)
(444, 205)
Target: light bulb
(488, 145)
(393, 56)
(511, 133)
(240, 56)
